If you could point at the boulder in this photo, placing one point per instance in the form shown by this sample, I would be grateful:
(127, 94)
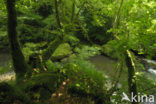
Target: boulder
(62, 51)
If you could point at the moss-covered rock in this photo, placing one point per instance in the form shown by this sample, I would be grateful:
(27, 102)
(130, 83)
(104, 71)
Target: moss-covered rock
(62, 51)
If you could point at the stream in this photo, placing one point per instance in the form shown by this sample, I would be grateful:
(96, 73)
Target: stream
(108, 65)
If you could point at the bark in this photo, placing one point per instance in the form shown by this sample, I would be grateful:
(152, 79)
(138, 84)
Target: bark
(57, 14)
(73, 11)
(131, 75)
(19, 63)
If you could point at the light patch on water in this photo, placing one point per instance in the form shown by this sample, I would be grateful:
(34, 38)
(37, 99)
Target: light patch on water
(150, 61)
(151, 70)
(7, 76)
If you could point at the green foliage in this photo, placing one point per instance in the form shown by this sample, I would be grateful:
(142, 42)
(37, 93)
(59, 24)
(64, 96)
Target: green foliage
(6, 68)
(29, 26)
(51, 66)
(81, 20)
(97, 21)
(85, 51)
(143, 81)
(90, 71)
(32, 48)
(4, 42)
(43, 8)
(115, 48)
(2, 8)
(50, 22)
(86, 80)
(55, 67)
(41, 86)
(72, 40)
(11, 94)
(137, 23)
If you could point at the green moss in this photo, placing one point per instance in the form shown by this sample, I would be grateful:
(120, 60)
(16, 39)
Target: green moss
(62, 51)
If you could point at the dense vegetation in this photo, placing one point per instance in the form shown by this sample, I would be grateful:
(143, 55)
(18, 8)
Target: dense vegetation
(51, 43)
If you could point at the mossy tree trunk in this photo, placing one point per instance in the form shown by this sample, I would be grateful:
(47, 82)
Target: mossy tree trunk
(131, 75)
(19, 63)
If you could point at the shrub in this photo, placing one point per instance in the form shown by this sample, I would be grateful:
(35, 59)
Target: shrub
(11, 95)
(86, 80)
(41, 86)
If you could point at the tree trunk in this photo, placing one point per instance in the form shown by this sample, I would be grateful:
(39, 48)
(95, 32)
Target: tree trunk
(57, 14)
(131, 75)
(73, 11)
(20, 66)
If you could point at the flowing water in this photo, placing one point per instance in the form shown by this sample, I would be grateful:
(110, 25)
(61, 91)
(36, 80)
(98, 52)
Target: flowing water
(108, 65)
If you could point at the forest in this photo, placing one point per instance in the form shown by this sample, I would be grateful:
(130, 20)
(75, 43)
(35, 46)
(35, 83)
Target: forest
(77, 51)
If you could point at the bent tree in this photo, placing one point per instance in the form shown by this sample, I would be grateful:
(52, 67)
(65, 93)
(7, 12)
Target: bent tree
(19, 63)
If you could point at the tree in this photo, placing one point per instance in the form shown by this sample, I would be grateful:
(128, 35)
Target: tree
(131, 74)
(57, 14)
(19, 63)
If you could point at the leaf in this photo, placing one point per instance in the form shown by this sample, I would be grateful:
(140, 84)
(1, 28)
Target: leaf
(154, 22)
